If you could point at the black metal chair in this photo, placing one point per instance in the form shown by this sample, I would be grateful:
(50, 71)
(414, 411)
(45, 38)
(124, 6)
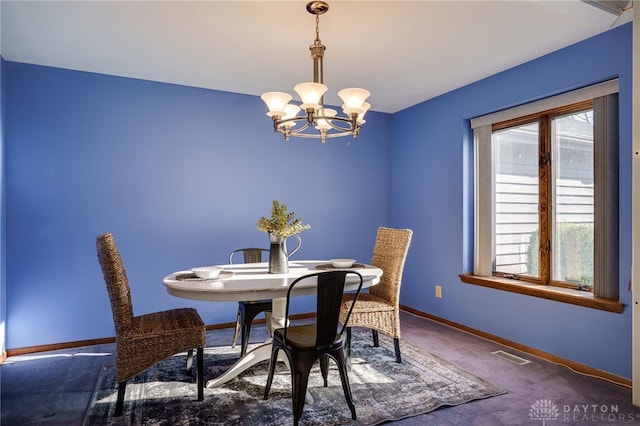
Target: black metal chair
(248, 310)
(308, 343)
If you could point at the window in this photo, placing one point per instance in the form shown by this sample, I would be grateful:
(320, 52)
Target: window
(543, 197)
(546, 185)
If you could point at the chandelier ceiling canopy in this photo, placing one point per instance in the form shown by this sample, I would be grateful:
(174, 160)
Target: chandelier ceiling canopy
(315, 120)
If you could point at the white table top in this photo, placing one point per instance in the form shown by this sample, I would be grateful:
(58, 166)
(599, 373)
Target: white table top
(252, 281)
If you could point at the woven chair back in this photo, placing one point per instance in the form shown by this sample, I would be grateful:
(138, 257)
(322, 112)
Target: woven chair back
(389, 254)
(117, 284)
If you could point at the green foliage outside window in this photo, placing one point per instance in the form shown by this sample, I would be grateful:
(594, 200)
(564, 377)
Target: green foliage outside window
(573, 258)
(533, 255)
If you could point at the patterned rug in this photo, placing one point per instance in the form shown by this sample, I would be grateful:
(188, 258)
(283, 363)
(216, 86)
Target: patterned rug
(382, 390)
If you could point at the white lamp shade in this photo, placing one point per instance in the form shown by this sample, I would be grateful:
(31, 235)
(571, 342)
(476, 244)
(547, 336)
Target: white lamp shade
(353, 99)
(310, 94)
(276, 102)
(322, 123)
(365, 107)
(290, 111)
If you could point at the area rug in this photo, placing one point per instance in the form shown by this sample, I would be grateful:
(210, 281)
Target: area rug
(383, 390)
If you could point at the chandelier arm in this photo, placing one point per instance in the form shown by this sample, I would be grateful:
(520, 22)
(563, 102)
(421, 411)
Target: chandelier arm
(340, 128)
(304, 127)
(277, 124)
(282, 129)
(353, 123)
(344, 129)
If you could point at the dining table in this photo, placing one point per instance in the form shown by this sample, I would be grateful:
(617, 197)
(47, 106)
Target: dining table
(252, 281)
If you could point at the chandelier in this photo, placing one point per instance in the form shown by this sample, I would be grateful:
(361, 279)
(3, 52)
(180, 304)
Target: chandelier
(315, 120)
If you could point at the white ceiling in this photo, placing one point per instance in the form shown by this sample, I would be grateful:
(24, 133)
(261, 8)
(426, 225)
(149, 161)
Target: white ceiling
(404, 52)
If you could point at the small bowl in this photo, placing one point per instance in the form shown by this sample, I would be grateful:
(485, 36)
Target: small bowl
(342, 263)
(207, 272)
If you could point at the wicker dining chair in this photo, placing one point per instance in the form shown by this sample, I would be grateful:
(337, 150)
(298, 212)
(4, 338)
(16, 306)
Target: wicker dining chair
(144, 340)
(248, 310)
(379, 308)
(317, 341)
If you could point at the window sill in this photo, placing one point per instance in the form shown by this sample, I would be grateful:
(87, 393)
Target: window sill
(559, 294)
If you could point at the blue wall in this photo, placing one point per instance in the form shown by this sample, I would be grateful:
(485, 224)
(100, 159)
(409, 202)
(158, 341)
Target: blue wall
(432, 193)
(179, 175)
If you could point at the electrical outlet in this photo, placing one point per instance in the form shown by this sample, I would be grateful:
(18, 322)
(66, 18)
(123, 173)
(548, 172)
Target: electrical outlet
(438, 291)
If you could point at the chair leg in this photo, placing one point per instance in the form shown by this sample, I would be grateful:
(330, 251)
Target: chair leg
(347, 344)
(200, 373)
(299, 382)
(238, 325)
(244, 337)
(374, 333)
(249, 313)
(324, 369)
(122, 386)
(344, 378)
(396, 345)
(272, 368)
(189, 361)
(267, 317)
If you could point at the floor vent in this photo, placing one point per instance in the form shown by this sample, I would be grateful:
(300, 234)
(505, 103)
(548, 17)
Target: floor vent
(511, 357)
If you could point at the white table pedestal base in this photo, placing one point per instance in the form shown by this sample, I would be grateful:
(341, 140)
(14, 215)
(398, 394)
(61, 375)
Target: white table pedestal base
(251, 358)
(260, 353)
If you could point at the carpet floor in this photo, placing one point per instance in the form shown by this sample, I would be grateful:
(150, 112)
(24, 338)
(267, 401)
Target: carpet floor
(382, 389)
(55, 388)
